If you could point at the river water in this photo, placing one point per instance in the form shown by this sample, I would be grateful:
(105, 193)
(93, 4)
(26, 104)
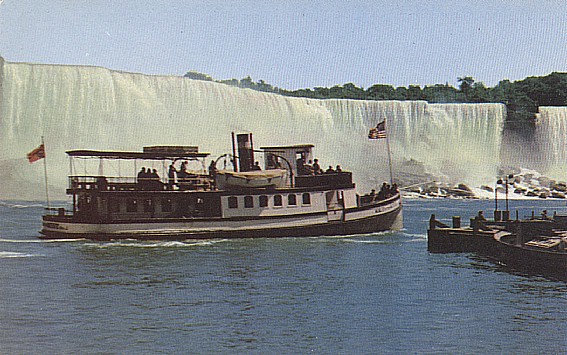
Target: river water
(378, 293)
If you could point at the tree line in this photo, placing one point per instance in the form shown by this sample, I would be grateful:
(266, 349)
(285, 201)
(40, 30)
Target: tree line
(522, 98)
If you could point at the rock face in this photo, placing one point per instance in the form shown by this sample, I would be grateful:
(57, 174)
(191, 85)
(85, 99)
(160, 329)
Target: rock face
(434, 189)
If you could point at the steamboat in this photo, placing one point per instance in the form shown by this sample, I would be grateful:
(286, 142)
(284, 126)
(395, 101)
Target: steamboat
(287, 198)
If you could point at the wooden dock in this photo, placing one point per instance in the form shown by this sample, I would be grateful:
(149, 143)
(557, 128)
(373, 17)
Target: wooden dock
(478, 237)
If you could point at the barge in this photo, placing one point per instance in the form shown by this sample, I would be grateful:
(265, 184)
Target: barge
(535, 245)
(284, 199)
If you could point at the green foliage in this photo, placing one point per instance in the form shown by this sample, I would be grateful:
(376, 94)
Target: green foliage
(522, 98)
(197, 76)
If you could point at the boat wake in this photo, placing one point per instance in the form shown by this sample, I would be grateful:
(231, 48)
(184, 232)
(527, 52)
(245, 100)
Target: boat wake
(418, 239)
(385, 237)
(20, 205)
(165, 244)
(11, 254)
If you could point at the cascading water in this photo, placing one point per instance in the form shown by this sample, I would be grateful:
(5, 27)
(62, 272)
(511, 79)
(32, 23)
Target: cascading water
(78, 107)
(540, 147)
(455, 142)
(551, 139)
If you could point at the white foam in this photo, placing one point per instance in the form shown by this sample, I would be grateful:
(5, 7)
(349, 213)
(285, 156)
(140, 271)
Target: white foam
(165, 244)
(11, 254)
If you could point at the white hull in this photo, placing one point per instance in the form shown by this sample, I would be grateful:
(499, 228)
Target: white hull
(355, 220)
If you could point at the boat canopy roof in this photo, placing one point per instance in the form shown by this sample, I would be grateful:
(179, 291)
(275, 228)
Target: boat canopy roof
(255, 174)
(136, 155)
(297, 146)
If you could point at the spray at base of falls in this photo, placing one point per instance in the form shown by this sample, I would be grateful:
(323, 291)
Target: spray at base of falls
(78, 107)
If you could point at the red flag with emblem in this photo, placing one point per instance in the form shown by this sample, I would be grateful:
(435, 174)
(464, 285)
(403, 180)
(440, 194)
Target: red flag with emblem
(36, 154)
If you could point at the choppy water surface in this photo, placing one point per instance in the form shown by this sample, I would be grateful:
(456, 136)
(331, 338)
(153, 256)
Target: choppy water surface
(379, 293)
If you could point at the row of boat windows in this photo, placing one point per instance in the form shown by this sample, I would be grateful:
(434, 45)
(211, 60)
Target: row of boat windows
(263, 200)
(166, 204)
(148, 205)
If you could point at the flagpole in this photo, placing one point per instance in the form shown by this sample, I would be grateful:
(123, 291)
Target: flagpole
(45, 174)
(389, 152)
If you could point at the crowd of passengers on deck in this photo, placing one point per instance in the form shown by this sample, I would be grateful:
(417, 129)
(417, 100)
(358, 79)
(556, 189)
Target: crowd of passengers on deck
(313, 168)
(386, 191)
(149, 179)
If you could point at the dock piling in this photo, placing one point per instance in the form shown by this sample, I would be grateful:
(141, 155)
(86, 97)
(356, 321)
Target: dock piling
(456, 221)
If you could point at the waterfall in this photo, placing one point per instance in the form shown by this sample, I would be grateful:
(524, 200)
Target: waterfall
(79, 107)
(541, 148)
(550, 142)
(455, 142)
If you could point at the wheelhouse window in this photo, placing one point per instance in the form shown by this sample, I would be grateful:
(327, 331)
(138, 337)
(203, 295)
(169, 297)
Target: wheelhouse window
(291, 200)
(248, 202)
(166, 205)
(132, 205)
(232, 202)
(278, 202)
(263, 201)
(306, 197)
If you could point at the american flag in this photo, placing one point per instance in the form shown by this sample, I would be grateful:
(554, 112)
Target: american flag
(378, 132)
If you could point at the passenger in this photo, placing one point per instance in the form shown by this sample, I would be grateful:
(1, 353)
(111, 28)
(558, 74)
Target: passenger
(142, 179)
(101, 183)
(213, 173)
(330, 170)
(383, 191)
(256, 166)
(154, 180)
(171, 177)
(394, 189)
(300, 166)
(316, 167)
(338, 169)
(544, 215)
(212, 169)
(309, 168)
(480, 216)
(182, 174)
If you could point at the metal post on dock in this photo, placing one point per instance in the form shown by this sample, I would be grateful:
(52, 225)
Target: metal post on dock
(456, 221)
(519, 234)
(497, 214)
(432, 222)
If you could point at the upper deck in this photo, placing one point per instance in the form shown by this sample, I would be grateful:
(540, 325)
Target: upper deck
(179, 176)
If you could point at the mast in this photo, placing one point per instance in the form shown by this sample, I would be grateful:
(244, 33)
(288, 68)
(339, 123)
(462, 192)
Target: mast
(380, 132)
(45, 174)
(389, 152)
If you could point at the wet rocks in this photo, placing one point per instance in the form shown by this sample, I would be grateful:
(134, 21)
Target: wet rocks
(527, 183)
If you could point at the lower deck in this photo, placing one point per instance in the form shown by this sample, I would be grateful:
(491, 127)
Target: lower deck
(379, 216)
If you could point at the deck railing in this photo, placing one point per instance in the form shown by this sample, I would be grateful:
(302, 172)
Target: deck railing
(112, 183)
